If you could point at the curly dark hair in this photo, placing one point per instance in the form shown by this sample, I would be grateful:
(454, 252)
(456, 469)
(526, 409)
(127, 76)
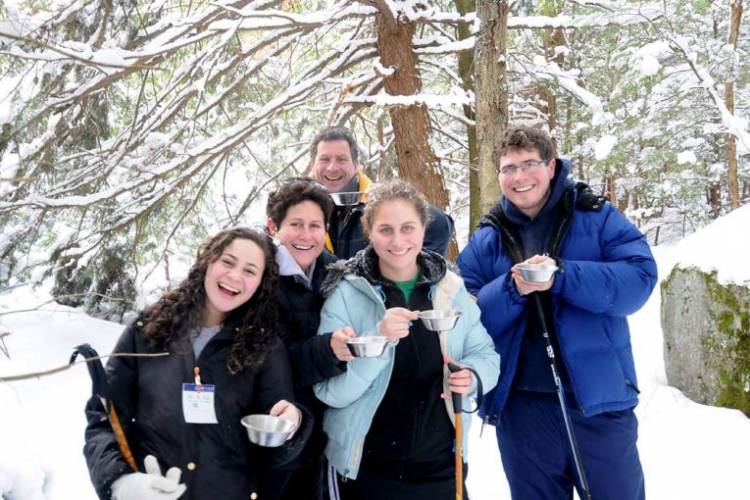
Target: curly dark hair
(296, 191)
(525, 138)
(179, 311)
(328, 134)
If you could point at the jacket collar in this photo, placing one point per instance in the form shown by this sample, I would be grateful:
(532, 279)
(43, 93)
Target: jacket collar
(365, 265)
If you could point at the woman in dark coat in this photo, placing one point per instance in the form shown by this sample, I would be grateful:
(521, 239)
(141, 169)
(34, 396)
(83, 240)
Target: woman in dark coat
(219, 328)
(298, 214)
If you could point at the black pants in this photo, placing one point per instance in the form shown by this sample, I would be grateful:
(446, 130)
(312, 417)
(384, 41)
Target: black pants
(306, 482)
(372, 486)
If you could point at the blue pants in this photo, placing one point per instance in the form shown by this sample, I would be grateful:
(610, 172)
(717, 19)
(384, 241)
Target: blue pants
(538, 461)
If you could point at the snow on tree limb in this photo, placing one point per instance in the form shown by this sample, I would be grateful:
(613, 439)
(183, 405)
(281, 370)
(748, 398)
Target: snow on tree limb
(733, 124)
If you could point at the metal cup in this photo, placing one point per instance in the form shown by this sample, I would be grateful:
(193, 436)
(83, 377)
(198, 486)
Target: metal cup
(267, 430)
(367, 347)
(539, 273)
(439, 320)
(346, 199)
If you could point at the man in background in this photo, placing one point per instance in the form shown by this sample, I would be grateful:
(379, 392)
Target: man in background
(334, 158)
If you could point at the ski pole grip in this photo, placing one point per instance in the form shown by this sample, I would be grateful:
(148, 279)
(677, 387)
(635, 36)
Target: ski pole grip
(456, 397)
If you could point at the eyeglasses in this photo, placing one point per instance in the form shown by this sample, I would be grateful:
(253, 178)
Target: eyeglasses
(525, 166)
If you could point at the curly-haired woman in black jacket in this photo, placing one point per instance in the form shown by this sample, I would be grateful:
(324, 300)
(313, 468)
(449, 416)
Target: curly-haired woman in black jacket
(219, 327)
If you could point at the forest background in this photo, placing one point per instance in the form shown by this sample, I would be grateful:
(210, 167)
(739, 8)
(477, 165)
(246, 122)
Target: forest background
(131, 130)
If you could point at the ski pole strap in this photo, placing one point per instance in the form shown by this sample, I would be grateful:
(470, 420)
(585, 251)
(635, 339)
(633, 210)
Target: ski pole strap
(100, 390)
(99, 385)
(457, 398)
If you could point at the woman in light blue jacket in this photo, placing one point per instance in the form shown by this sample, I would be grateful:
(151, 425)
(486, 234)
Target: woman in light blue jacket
(390, 423)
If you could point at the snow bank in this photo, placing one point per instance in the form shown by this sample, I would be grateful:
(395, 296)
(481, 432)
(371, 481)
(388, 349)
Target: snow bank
(722, 246)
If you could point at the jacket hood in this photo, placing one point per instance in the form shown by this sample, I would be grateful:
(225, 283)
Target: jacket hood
(432, 268)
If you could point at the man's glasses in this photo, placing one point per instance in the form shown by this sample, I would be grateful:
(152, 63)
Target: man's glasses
(525, 166)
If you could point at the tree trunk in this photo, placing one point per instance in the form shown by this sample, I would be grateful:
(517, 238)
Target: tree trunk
(552, 37)
(466, 71)
(732, 181)
(417, 164)
(491, 83)
(714, 199)
(611, 189)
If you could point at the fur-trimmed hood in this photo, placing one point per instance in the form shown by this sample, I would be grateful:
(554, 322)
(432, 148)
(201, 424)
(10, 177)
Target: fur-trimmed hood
(432, 267)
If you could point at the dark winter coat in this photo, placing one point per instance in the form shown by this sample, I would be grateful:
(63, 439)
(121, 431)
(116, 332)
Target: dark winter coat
(346, 238)
(311, 355)
(217, 460)
(608, 273)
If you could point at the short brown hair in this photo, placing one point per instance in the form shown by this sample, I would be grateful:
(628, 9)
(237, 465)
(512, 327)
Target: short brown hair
(294, 192)
(389, 191)
(525, 138)
(328, 134)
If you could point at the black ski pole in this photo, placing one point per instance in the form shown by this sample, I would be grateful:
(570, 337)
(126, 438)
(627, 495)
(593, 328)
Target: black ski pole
(586, 494)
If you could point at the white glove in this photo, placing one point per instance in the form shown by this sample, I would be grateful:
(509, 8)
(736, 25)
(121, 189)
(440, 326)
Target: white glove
(149, 486)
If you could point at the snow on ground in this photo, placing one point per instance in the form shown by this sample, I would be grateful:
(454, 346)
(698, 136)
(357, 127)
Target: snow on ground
(689, 451)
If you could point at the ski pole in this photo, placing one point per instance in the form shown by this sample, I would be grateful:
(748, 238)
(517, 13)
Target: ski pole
(586, 494)
(100, 389)
(457, 409)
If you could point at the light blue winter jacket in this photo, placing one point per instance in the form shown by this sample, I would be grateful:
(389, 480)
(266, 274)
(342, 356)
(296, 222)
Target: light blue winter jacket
(354, 396)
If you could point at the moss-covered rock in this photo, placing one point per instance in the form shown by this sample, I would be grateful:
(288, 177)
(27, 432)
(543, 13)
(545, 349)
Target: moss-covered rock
(706, 329)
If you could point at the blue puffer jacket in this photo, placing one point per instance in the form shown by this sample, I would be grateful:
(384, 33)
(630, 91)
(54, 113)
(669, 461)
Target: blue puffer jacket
(355, 395)
(608, 273)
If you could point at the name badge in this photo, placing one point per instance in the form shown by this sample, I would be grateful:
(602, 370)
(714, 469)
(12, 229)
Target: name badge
(198, 403)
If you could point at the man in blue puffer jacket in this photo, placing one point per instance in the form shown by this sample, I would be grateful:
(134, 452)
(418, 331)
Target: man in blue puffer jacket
(605, 272)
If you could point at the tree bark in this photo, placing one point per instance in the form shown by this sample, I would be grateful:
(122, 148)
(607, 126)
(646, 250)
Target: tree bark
(466, 71)
(714, 199)
(553, 37)
(417, 163)
(732, 182)
(611, 189)
(491, 95)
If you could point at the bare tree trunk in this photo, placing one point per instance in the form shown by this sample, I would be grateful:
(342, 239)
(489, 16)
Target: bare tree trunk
(714, 199)
(611, 188)
(732, 182)
(553, 37)
(491, 83)
(417, 163)
(466, 71)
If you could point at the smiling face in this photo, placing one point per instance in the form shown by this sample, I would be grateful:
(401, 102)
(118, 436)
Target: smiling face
(333, 165)
(231, 280)
(302, 232)
(527, 190)
(396, 235)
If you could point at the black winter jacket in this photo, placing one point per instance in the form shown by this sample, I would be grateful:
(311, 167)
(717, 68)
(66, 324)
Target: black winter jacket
(311, 355)
(348, 238)
(217, 460)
